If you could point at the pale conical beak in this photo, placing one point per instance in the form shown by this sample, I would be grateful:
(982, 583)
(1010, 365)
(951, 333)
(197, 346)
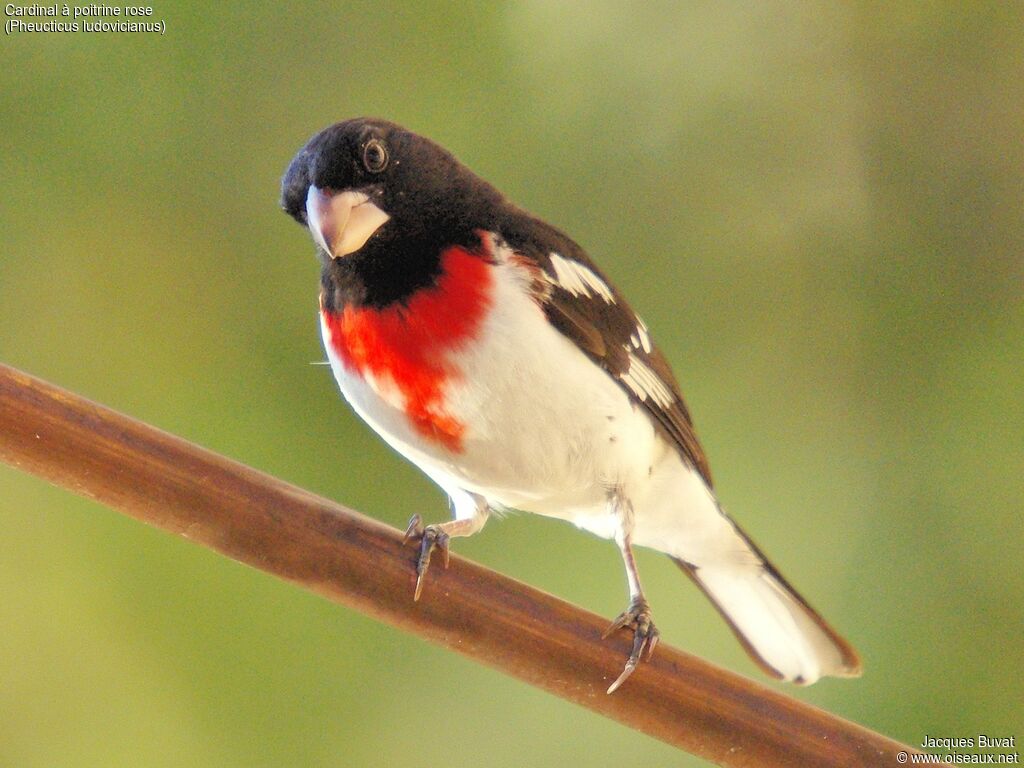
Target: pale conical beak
(341, 223)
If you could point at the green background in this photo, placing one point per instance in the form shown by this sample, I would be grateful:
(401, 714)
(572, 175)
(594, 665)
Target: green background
(816, 207)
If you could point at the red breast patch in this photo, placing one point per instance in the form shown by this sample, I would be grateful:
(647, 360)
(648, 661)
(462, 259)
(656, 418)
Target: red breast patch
(409, 344)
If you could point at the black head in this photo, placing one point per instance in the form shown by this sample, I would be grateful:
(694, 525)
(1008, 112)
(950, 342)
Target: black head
(365, 183)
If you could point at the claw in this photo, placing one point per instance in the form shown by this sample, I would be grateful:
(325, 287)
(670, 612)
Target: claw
(645, 637)
(431, 537)
(422, 563)
(414, 529)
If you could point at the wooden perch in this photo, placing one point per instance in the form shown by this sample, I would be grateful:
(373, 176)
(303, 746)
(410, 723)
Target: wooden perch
(361, 563)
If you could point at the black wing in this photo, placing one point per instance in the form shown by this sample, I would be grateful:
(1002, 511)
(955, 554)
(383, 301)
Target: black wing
(581, 303)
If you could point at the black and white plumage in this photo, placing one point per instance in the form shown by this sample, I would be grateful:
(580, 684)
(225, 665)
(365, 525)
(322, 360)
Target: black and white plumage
(486, 347)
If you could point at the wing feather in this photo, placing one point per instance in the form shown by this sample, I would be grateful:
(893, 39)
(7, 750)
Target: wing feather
(583, 305)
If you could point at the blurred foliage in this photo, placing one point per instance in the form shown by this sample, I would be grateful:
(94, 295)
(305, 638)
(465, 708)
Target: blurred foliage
(817, 208)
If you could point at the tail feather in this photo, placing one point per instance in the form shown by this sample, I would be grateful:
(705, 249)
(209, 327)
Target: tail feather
(776, 626)
(677, 513)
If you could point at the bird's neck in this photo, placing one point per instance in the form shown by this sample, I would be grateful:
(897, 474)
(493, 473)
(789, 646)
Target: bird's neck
(389, 271)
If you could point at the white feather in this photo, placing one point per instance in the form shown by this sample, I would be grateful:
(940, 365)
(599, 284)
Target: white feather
(578, 279)
(773, 622)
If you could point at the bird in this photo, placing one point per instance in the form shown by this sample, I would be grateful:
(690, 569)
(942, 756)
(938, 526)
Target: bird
(486, 347)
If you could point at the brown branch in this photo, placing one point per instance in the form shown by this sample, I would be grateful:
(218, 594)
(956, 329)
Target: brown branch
(358, 562)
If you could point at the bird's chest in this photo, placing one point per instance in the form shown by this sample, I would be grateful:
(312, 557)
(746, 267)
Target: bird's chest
(472, 383)
(398, 364)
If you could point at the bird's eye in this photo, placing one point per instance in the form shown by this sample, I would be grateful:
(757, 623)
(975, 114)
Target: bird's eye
(375, 156)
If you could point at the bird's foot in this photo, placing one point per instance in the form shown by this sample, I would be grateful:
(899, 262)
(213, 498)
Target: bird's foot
(645, 637)
(430, 537)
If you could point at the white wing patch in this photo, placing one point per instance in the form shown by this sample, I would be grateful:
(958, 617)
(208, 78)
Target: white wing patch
(640, 339)
(645, 384)
(579, 280)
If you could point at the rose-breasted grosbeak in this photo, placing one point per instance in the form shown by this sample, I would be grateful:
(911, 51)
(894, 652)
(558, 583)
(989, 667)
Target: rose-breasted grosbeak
(488, 349)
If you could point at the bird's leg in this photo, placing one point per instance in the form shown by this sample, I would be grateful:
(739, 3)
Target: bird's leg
(438, 536)
(637, 615)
